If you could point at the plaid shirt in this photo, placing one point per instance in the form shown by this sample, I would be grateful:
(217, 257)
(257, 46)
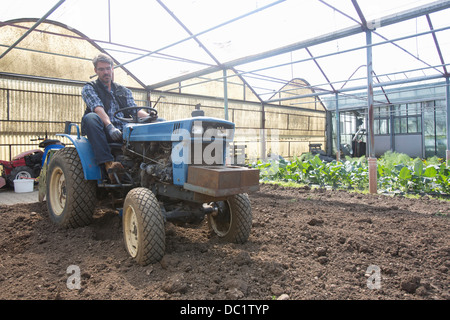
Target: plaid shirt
(92, 100)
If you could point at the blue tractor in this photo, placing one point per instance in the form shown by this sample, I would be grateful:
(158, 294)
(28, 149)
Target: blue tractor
(173, 170)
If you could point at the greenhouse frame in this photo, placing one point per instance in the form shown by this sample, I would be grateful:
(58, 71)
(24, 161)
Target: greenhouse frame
(362, 76)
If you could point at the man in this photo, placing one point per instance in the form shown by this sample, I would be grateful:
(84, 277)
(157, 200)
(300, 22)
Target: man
(103, 98)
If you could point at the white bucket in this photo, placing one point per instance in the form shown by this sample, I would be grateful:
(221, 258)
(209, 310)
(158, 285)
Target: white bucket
(23, 185)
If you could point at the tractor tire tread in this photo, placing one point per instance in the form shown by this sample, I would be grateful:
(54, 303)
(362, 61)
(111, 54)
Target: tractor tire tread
(82, 202)
(244, 223)
(153, 224)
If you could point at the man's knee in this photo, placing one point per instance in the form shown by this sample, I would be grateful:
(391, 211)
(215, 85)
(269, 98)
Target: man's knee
(90, 121)
(91, 118)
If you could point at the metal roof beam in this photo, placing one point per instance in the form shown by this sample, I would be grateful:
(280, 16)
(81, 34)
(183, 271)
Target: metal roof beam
(209, 53)
(378, 34)
(205, 31)
(385, 21)
(188, 31)
(360, 14)
(436, 42)
(32, 28)
(212, 69)
(363, 87)
(321, 70)
(83, 37)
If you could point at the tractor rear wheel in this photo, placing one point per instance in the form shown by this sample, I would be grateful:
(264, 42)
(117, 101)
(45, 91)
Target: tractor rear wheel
(71, 199)
(232, 221)
(143, 226)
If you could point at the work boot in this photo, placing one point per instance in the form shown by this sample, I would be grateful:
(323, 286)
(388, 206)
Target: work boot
(114, 167)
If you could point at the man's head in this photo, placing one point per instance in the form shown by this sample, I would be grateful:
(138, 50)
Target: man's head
(103, 66)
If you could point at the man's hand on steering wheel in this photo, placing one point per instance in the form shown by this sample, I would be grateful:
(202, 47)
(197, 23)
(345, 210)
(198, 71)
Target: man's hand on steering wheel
(140, 116)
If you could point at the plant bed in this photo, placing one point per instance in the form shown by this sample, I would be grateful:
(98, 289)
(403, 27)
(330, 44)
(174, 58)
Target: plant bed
(396, 173)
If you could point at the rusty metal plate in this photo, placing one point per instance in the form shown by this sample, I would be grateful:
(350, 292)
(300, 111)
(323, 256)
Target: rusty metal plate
(222, 180)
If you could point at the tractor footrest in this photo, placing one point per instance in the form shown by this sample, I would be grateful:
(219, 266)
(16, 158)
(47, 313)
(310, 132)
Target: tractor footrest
(220, 181)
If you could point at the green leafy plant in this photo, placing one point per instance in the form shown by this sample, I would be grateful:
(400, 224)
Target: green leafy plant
(396, 173)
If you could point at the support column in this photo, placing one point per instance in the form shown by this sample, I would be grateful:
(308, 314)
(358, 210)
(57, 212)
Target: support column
(447, 99)
(372, 158)
(338, 129)
(225, 93)
(262, 134)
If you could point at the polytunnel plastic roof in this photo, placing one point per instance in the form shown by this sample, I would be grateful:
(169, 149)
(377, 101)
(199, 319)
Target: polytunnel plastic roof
(267, 42)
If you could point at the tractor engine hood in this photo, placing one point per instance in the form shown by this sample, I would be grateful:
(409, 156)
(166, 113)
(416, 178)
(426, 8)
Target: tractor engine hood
(204, 128)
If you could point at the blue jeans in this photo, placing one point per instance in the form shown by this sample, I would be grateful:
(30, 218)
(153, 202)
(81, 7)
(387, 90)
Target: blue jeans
(92, 126)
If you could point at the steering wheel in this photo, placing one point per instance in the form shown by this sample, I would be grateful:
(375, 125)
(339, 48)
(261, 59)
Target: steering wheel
(153, 115)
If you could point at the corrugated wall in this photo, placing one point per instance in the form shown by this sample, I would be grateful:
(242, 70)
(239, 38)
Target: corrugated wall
(30, 108)
(290, 126)
(288, 130)
(52, 50)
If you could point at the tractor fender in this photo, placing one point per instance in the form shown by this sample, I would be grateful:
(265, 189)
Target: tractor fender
(90, 168)
(47, 149)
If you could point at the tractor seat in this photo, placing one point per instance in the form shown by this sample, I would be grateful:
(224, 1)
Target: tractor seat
(115, 146)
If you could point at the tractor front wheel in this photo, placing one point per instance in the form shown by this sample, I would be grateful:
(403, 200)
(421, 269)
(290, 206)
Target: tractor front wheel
(232, 221)
(143, 226)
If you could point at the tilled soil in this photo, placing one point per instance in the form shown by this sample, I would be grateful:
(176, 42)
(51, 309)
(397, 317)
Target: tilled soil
(305, 245)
